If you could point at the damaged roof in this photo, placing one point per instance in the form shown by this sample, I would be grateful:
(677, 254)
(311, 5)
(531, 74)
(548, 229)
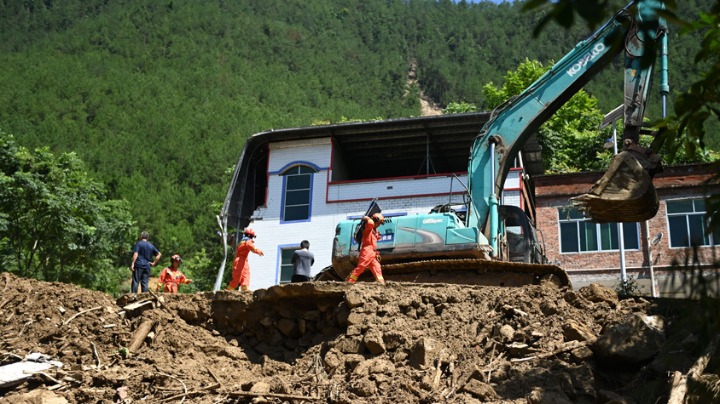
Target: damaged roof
(381, 149)
(401, 146)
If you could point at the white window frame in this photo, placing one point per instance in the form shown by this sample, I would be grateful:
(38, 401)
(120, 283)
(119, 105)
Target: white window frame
(281, 264)
(563, 218)
(699, 210)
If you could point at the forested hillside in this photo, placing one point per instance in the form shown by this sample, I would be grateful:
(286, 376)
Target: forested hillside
(158, 97)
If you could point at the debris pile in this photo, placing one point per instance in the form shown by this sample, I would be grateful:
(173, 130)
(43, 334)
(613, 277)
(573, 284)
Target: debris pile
(340, 343)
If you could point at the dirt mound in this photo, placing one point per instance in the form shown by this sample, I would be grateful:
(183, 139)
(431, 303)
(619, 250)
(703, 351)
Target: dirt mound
(340, 343)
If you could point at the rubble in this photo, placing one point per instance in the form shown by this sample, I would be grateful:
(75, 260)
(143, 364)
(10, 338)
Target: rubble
(341, 343)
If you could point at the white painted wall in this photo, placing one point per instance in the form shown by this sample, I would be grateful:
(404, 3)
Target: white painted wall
(408, 196)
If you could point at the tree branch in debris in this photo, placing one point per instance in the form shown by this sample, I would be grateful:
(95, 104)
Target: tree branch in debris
(572, 345)
(79, 314)
(139, 337)
(185, 390)
(678, 388)
(275, 395)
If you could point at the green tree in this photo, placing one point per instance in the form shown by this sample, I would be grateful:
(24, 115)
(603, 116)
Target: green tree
(459, 108)
(570, 140)
(55, 223)
(697, 107)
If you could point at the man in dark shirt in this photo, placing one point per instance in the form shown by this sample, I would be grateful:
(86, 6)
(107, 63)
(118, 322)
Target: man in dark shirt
(142, 261)
(302, 260)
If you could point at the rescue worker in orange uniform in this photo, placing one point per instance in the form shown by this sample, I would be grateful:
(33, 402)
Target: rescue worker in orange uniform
(171, 276)
(369, 256)
(241, 265)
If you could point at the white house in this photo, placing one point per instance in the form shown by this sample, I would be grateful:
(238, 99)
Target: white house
(297, 184)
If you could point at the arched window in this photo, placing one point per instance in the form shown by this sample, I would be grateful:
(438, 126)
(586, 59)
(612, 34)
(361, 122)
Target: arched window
(297, 193)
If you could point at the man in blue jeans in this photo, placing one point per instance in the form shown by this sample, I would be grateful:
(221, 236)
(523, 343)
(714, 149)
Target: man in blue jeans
(142, 261)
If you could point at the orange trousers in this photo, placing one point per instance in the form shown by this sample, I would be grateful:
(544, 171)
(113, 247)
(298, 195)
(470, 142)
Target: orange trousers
(240, 277)
(367, 261)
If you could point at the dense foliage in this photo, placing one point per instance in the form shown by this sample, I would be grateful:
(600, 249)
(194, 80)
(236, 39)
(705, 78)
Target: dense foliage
(56, 223)
(158, 97)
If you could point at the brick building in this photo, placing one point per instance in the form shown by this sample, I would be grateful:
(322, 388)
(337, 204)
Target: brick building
(590, 251)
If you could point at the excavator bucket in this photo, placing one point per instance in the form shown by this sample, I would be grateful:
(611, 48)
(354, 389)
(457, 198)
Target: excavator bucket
(624, 194)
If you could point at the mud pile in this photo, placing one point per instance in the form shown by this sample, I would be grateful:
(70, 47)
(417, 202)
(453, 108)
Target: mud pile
(340, 343)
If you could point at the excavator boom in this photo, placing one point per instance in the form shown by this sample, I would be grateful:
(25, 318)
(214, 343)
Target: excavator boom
(495, 244)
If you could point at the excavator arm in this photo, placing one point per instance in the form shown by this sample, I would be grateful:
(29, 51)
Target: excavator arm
(625, 192)
(634, 32)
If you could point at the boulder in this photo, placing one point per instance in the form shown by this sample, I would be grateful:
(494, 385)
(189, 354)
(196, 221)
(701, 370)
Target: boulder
(633, 341)
(597, 293)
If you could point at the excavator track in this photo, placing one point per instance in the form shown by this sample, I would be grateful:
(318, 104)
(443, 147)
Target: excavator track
(468, 271)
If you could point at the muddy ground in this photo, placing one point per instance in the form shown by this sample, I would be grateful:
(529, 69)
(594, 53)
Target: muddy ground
(363, 343)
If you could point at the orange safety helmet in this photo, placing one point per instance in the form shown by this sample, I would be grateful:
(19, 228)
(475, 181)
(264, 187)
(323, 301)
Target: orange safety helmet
(379, 218)
(249, 232)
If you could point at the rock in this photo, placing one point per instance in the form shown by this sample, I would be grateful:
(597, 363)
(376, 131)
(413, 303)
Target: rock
(574, 331)
(636, 339)
(352, 361)
(548, 308)
(332, 359)
(260, 387)
(374, 366)
(577, 300)
(581, 354)
(312, 315)
(482, 391)
(374, 342)
(393, 340)
(541, 396)
(506, 332)
(353, 330)
(424, 352)
(36, 397)
(351, 345)
(354, 298)
(363, 387)
(288, 327)
(355, 319)
(597, 293)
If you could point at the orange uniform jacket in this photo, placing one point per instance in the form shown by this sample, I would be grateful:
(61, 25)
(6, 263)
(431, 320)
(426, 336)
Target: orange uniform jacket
(368, 257)
(171, 279)
(241, 265)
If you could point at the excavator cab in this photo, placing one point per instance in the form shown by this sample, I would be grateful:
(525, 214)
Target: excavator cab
(519, 241)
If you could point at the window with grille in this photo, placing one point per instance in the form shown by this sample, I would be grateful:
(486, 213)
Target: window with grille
(578, 234)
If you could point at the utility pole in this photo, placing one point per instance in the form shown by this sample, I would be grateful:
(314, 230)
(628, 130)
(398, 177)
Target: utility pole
(611, 118)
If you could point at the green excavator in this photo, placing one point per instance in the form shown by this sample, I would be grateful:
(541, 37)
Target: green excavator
(483, 242)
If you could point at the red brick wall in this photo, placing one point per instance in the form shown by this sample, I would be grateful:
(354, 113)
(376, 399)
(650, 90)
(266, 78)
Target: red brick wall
(555, 191)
